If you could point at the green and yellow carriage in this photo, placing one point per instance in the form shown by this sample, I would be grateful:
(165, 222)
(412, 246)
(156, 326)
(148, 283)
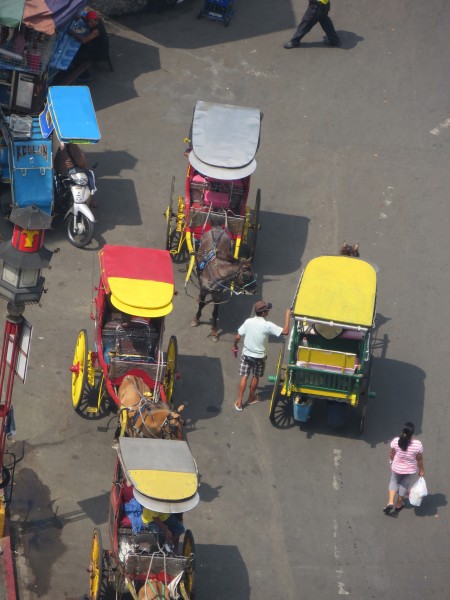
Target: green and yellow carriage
(330, 345)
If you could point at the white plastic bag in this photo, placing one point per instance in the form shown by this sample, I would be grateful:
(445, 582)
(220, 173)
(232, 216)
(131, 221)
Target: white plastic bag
(417, 492)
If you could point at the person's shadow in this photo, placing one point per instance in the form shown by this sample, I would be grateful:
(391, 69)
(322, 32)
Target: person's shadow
(430, 505)
(348, 41)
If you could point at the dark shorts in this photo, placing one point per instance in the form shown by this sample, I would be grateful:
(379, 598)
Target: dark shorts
(249, 364)
(173, 523)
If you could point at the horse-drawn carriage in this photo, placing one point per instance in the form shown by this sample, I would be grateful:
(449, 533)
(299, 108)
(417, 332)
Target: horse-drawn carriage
(330, 346)
(151, 477)
(134, 295)
(223, 140)
(213, 223)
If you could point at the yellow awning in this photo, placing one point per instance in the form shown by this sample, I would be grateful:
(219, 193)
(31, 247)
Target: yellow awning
(165, 485)
(338, 289)
(141, 298)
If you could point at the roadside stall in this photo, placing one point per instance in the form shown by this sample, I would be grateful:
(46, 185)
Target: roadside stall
(33, 45)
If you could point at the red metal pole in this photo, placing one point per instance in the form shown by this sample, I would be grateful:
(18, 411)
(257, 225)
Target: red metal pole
(11, 339)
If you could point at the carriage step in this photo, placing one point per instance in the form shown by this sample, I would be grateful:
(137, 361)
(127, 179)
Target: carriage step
(91, 409)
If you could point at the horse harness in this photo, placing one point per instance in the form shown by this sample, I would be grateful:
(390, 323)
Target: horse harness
(143, 404)
(211, 256)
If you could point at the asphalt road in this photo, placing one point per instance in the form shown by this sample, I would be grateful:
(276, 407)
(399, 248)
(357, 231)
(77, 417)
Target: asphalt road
(355, 146)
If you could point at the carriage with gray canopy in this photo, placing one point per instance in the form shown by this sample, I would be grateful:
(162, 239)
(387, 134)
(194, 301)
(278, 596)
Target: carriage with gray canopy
(223, 143)
(158, 476)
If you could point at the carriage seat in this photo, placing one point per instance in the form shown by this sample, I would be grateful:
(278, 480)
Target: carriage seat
(217, 194)
(327, 360)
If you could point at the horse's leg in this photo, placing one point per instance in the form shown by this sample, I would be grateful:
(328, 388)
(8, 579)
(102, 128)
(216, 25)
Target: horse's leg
(215, 316)
(201, 305)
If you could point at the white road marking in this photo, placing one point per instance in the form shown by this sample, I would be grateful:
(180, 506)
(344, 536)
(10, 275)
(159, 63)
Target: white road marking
(444, 125)
(337, 484)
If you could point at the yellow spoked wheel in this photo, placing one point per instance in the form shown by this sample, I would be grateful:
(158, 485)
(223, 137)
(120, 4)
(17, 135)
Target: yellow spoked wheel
(189, 574)
(95, 566)
(276, 387)
(169, 214)
(79, 368)
(255, 226)
(171, 369)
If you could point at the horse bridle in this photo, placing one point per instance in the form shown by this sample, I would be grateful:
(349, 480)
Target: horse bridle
(231, 279)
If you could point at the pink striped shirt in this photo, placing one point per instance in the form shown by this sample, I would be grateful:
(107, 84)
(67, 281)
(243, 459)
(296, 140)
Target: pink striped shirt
(405, 461)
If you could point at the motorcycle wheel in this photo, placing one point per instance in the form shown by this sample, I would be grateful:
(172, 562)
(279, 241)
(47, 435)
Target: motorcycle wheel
(79, 230)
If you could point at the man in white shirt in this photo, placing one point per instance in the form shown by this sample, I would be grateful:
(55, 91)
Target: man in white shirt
(256, 331)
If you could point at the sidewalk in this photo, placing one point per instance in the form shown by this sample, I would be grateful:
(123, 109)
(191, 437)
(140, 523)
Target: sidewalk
(7, 582)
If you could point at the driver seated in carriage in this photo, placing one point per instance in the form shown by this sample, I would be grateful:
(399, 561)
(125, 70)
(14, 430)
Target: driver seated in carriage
(166, 527)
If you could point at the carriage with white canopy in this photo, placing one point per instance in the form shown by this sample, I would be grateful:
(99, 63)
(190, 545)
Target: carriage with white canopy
(160, 476)
(223, 143)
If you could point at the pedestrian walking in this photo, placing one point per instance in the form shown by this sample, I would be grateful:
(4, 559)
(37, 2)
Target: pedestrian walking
(10, 425)
(256, 331)
(406, 458)
(317, 12)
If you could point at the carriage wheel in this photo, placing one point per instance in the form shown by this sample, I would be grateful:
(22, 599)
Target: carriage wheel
(189, 574)
(95, 566)
(255, 226)
(171, 369)
(169, 218)
(79, 368)
(102, 392)
(275, 392)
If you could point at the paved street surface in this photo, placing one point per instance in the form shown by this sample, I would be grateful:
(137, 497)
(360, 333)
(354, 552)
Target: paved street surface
(355, 146)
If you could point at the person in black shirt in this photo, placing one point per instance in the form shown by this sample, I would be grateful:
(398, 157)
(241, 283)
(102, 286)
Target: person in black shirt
(95, 44)
(317, 12)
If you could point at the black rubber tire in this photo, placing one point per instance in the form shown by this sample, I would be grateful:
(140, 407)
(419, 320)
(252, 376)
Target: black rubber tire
(275, 392)
(84, 239)
(189, 575)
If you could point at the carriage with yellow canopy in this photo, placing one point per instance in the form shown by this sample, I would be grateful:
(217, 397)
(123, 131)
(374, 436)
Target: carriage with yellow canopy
(134, 296)
(159, 476)
(331, 342)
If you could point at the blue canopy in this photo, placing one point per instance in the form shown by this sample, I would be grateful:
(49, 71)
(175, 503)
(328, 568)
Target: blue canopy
(70, 112)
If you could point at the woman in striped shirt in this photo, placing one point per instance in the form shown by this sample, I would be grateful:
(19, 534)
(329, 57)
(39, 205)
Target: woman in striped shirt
(406, 458)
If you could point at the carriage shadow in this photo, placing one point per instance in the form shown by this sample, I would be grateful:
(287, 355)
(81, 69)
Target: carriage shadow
(291, 231)
(222, 569)
(399, 389)
(200, 389)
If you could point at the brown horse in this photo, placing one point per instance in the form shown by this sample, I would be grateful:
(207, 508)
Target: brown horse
(219, 274)
(144, 417)
(349, 250)
(154, 590)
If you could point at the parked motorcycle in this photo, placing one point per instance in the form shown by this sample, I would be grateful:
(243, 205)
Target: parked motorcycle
(73, 197)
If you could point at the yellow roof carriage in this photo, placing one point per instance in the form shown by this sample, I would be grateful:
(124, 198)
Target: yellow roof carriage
(330, 343)
(160, 476)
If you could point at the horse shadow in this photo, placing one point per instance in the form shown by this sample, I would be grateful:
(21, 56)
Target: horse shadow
(202, 395)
